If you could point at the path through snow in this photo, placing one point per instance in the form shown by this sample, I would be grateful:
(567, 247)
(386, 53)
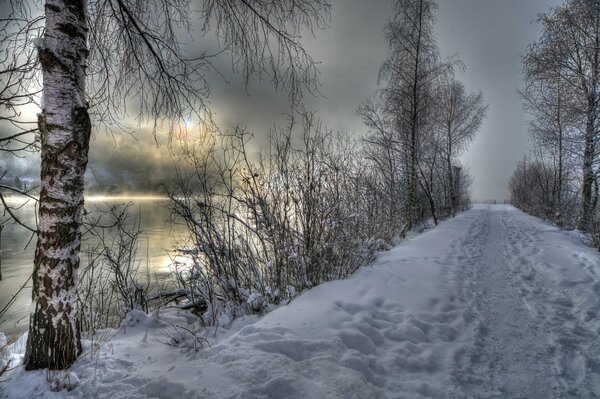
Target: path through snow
(533, 292)
(493, 303)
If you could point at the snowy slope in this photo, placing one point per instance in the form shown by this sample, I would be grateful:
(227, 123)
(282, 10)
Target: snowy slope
(493, 303)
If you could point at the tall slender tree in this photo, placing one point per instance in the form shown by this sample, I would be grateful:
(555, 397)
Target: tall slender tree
(412, 66)
(381, 148)
(554, 130)
(458, 118)
(65, 129)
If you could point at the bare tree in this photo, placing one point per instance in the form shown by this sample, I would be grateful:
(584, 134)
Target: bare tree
(412, 67)
(403, 118)
(532, 187)
(555, 130)
(429, 168)
(19, 95)
(458, 117)
(569, 50)
(381, 147)
(19, 86)
(96, 58)
(263, 231)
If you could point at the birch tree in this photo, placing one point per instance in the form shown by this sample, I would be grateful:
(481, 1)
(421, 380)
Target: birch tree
(97, 57)
(409, 73)
(555, 132)
(458, 118)
(569, 48)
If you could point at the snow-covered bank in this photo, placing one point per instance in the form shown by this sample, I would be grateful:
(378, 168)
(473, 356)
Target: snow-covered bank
(493, 303)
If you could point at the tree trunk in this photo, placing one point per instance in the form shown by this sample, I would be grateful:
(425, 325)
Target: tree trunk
(588, 173)
(590, 137)
(559, 193)
(412, 190)
(426, 190)
(54, 337)
(1, 228)
(559, 190)
(451, 188)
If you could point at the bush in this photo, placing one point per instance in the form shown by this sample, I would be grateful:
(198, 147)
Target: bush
(261, 232)
(535, 188)
(111, 285)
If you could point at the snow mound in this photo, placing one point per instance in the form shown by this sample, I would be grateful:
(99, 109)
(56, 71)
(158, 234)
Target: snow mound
(373, 335)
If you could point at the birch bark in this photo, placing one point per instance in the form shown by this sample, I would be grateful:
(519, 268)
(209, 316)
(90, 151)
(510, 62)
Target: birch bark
(65, 127)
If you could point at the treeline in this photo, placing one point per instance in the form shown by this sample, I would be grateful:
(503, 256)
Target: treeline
(420, 121)
(559, 180)
(315, 205)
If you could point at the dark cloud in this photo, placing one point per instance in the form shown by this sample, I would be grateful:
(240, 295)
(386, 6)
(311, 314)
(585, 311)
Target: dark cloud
(489, 35)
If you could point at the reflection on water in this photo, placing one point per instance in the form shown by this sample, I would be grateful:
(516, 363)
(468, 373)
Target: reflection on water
(157, 239)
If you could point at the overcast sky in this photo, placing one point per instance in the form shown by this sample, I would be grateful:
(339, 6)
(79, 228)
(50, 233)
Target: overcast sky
(490, 36)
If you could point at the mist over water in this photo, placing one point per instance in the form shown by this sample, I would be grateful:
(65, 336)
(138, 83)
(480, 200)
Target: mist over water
(156, 245)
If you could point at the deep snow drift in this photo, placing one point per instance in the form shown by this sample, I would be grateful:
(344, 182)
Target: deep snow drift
(493, 303)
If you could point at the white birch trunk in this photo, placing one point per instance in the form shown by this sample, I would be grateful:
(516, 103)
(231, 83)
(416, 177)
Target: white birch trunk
(54, 339)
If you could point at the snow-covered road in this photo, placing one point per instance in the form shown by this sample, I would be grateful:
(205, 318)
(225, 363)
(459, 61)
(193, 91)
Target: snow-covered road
(493, 303)
(533, 293)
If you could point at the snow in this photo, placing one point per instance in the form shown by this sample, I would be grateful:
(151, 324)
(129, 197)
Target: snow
(60, 381)
(11, 353)
(493, 303)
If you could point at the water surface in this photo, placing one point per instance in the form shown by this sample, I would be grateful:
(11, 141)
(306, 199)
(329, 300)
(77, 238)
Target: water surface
(156, 243)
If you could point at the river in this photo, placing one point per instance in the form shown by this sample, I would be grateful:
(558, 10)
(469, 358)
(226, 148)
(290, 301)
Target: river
(156, 242)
